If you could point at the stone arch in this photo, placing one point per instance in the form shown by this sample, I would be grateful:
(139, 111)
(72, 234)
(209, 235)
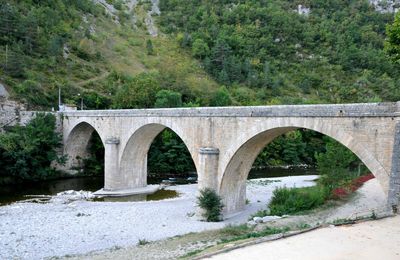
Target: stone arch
(77, 143)
(133, 162)
(232, 182)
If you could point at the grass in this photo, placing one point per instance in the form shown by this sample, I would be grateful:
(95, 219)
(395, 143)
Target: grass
(260, 213)
(143, 242)
(119, 48)
(233, 233)
(287, 201)
(267, 231)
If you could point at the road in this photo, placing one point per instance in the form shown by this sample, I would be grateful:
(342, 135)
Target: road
(379, 239)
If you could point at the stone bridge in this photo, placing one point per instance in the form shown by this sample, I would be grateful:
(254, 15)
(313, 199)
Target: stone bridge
(225, 141)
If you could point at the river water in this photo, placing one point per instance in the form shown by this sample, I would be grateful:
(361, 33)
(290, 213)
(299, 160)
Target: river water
(15, 193)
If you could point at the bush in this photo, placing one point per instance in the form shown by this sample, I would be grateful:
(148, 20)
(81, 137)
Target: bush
(211, 203)
(26, 152)
(168, 98)
(294, 200)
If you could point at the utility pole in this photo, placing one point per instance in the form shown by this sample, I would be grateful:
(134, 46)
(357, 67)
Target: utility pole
(79, 95)
(59, 98)
(6, 55)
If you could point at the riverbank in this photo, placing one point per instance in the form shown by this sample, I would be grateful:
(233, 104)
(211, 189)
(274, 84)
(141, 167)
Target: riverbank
(35, 231)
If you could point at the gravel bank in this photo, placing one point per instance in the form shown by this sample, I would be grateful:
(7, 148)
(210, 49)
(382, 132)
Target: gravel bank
(37, 231)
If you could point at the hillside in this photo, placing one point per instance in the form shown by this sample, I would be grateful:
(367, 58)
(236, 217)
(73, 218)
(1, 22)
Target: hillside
(91, 50)
(121, 53)
(291, 51)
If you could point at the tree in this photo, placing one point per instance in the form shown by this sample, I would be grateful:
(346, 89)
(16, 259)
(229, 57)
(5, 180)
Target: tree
(138, 92)
(168, 98)
(335, 164)
(149, 47)
(169, 154)
(392, 44)
(221, 98)
(200, 49)
(26, 152)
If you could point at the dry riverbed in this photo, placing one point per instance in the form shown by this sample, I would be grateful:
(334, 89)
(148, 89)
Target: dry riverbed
(114, 229)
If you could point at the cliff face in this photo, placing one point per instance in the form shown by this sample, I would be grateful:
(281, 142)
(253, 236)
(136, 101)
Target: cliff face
(386, 6)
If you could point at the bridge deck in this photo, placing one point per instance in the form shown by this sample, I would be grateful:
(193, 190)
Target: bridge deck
(331, 110)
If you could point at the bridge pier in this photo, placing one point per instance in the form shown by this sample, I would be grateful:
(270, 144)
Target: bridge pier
(208, 168)
(394, 184)
(116, 182)
(207, 172)
(112, 178)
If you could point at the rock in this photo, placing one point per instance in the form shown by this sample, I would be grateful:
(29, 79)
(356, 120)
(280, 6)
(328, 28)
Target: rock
(3, 91)
(251, 223)
(270, 218)
(258, 219)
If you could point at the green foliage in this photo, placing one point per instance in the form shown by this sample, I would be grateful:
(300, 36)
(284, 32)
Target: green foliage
(211, 203)
(293, 148)
(137, 92)
(266, 45)
(143, 242)
(267, 231)
(221, 98)
(200, 48)
(168, 154)
(149, 47)
(32, 92)
(168, 98)
(293, 200)
(26, 152)
(392, 44)
(336, 165)
(94, 165)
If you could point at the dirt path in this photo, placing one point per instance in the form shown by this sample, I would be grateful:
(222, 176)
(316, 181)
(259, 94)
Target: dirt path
(103, 75)
(367, 240)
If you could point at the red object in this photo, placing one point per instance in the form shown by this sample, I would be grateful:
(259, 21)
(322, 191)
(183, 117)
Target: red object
(355, 185)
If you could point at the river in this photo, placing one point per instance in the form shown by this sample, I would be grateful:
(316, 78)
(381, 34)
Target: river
(19, 192)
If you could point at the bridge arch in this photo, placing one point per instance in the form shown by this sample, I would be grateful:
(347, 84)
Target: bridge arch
(232, 181)
(77, 144)
(133, 161)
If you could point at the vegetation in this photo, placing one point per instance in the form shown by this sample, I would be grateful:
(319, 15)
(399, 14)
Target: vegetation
(168, 154)
(26, 152)
(211, 53)
(210, 202)
(337, 166)
(267, 53)
(94, 165)
(293, 200)
(78, 47)
(267, 231)
(392, 44)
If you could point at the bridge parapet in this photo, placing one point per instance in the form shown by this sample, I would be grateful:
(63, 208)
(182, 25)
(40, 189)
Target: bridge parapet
(332, 110)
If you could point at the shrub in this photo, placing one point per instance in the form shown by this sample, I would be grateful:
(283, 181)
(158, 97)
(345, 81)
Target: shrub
(293, 200)
(211, 203)
(26, 152)
(168, 98)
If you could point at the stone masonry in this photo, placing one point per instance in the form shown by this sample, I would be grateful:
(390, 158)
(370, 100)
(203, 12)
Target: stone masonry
(225, 141)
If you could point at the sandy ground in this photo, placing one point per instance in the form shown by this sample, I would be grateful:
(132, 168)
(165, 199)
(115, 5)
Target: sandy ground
(37, 231)
(367, 240)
